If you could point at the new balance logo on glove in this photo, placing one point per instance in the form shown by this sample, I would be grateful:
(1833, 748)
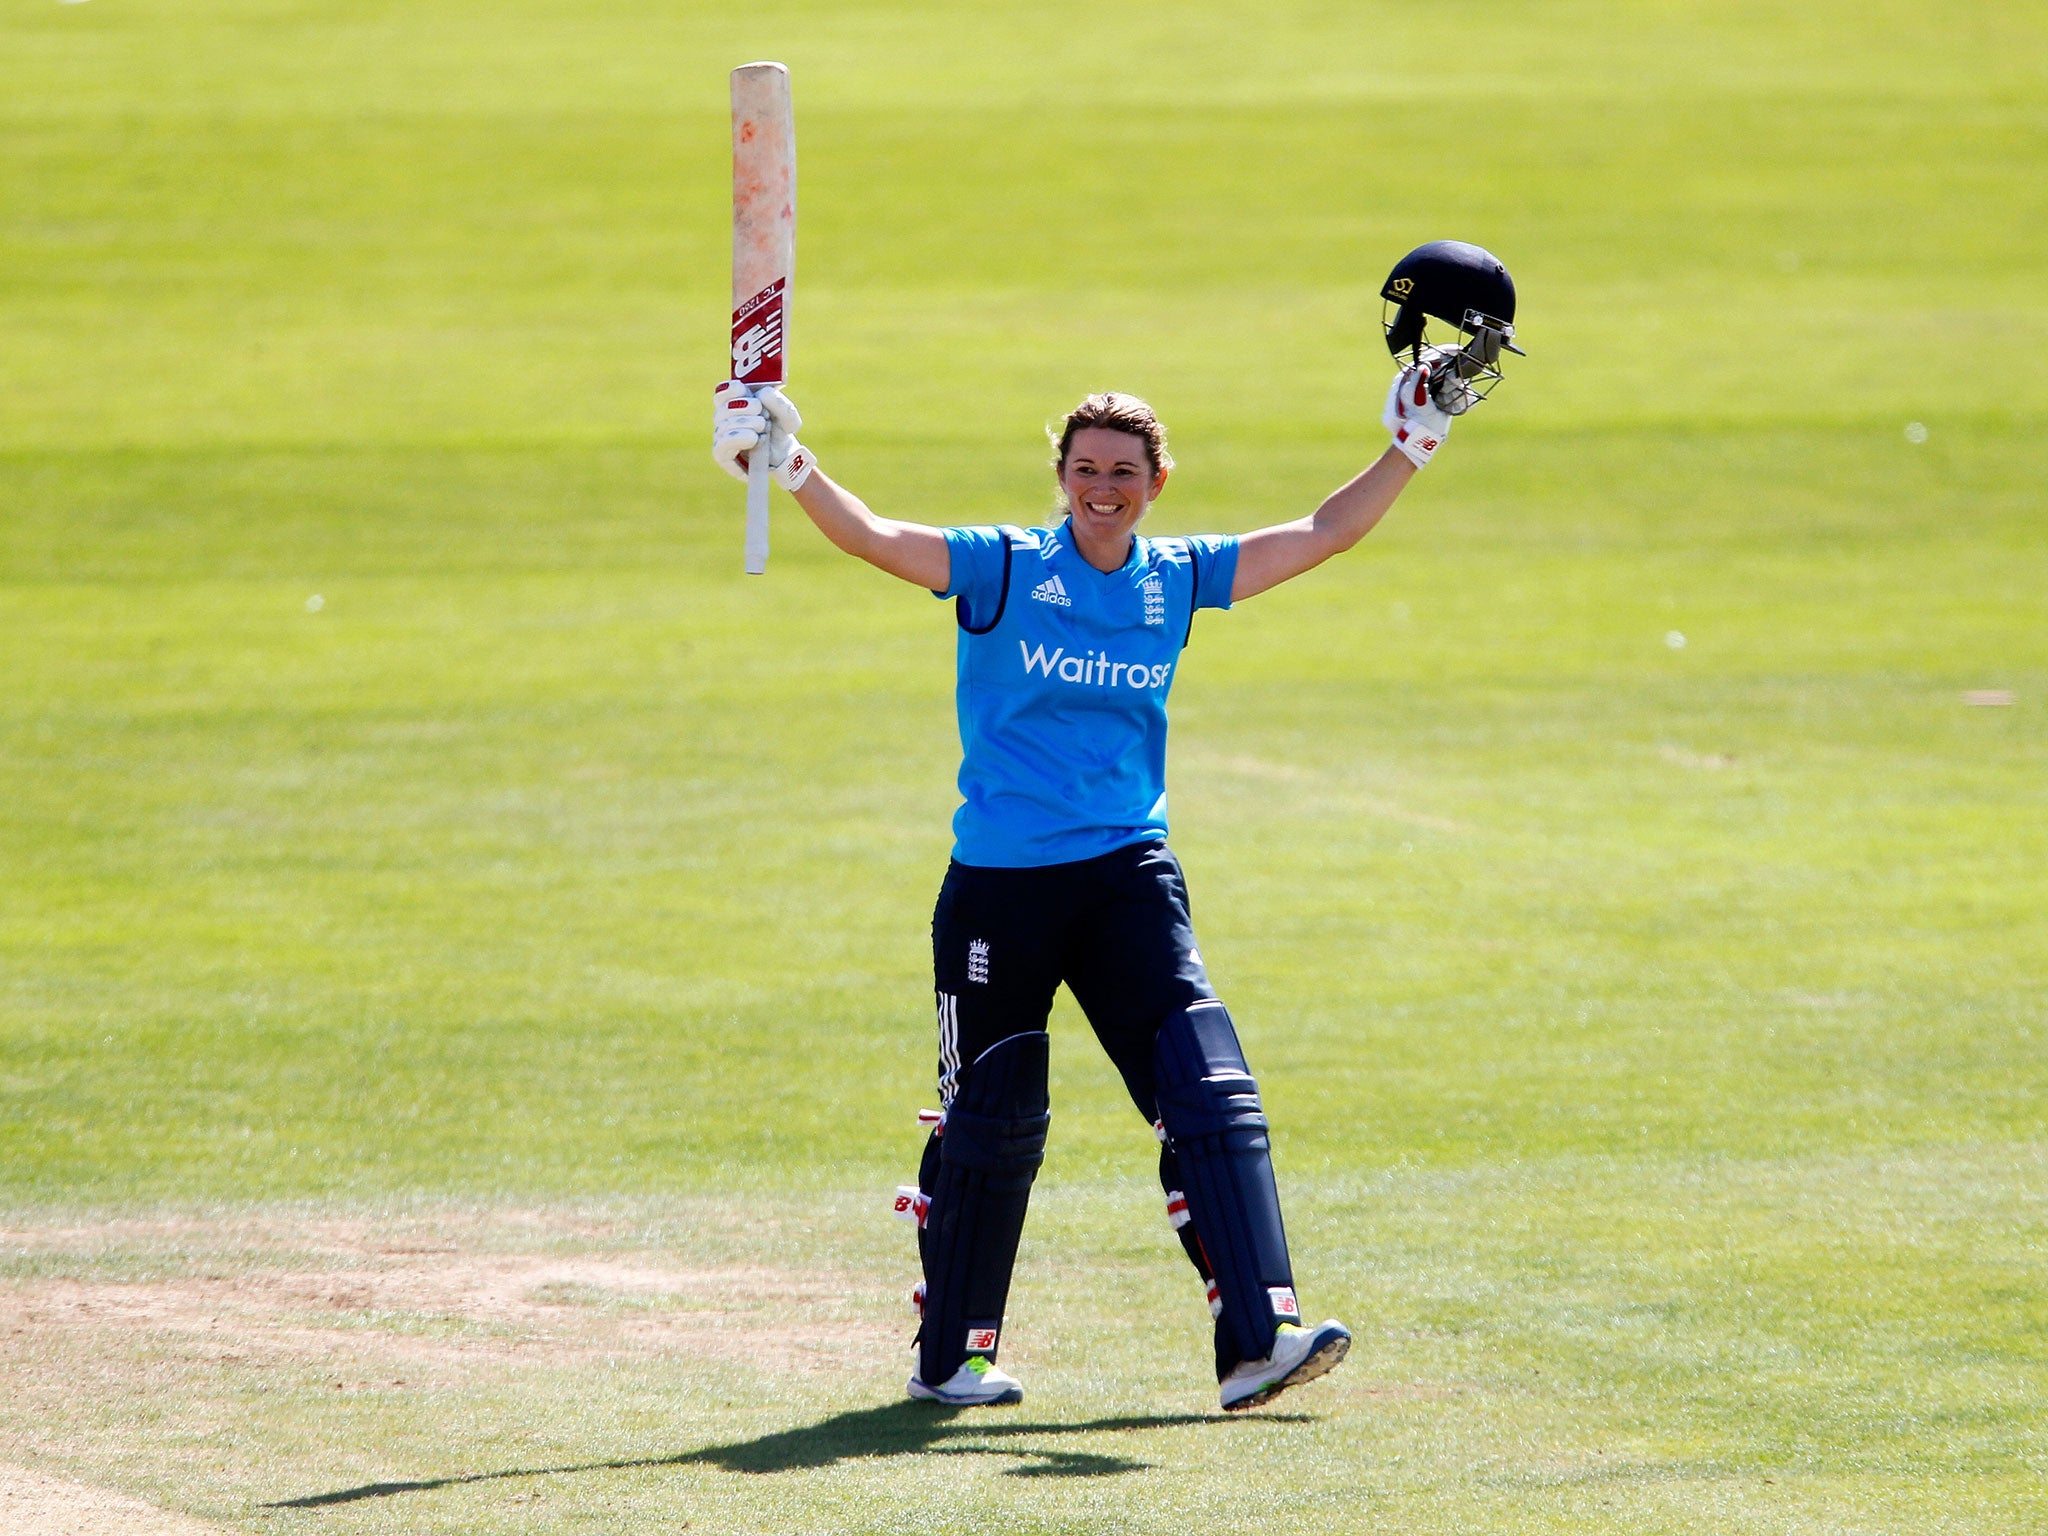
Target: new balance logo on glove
(1051, 590)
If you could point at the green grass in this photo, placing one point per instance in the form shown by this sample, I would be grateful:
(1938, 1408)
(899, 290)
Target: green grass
(1655, 1035)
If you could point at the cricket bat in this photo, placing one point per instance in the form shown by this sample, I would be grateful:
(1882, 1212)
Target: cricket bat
(763, 257)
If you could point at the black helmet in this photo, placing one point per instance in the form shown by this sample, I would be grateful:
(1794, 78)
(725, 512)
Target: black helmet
(1467, 289)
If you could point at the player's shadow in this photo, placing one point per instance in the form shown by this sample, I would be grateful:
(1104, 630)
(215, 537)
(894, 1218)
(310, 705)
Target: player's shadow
(900, 1429)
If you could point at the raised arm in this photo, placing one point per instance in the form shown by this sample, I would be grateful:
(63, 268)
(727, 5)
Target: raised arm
(743, 416)
(913, 551)
(1269, 556)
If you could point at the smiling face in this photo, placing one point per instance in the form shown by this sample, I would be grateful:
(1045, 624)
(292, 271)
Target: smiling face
(1109, 482)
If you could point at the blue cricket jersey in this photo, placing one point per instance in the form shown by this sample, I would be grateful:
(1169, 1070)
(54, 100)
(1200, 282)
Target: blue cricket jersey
(1063, 677)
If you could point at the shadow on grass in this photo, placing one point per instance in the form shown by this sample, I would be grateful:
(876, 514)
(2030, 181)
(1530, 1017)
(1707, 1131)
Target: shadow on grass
(900, 1429)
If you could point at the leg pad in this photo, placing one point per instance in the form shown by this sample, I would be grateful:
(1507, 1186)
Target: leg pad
(988, 1152)
(1216, 1129)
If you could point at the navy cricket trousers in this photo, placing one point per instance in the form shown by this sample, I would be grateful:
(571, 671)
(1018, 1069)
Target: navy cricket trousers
(1115, 929)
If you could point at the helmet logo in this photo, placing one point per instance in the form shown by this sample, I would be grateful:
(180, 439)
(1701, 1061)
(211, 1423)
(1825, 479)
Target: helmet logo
(1402, 286)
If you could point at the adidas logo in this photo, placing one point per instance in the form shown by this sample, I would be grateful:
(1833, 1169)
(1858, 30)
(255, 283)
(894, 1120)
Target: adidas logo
(1051, 590)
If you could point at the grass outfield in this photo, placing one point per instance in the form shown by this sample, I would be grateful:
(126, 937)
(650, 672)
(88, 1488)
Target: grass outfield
(457, 1037)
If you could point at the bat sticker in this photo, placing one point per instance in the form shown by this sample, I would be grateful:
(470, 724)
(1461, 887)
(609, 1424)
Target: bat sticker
(757, 337)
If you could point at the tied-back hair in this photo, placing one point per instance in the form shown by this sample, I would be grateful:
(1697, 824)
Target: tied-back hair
(1119, 413)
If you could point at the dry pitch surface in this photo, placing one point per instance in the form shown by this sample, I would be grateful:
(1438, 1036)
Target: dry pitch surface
(35, 1504)
(125, 1334)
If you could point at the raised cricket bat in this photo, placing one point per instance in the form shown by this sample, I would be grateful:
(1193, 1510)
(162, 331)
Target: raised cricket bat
(763, 257)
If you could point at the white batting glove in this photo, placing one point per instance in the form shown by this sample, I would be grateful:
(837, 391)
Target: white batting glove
(742, 417)
(1418, 423)
(737, 426)
(789, 461)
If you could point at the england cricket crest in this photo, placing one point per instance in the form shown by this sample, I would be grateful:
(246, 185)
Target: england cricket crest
(757, 336)
(1153, 589)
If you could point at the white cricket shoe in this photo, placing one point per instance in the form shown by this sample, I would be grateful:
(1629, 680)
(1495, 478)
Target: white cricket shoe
(1299, 1354)
(975, 1385)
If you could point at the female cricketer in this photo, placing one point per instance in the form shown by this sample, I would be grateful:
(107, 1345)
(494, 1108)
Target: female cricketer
(1069, 640)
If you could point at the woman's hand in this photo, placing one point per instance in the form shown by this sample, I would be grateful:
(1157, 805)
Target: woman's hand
(742, 417)
(1418, 423)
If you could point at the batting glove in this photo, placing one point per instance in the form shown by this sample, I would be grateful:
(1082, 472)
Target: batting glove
(742, 417)
(737, 426)
(1418, 423)
(789, 461)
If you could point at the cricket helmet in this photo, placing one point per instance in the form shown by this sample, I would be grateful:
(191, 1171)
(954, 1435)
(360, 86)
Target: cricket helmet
(1470, 293)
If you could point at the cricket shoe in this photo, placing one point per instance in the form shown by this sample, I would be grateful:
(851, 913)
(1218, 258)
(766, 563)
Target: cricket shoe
(1299, 1354)
(976, 1384)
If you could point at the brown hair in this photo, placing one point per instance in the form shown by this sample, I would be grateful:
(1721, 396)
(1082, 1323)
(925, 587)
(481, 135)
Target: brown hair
(1119, 413)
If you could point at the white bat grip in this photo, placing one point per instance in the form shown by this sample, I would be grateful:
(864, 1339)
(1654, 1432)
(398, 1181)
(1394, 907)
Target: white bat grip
(757, 510)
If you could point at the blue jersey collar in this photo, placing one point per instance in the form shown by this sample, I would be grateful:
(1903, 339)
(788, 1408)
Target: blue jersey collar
(1065, 535)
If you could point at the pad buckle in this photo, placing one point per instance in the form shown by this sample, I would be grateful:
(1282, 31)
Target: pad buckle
(912, 1204)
